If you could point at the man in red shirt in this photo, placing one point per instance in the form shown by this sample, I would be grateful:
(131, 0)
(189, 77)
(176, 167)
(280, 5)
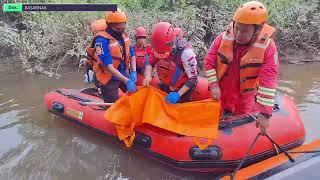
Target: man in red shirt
(242, 65)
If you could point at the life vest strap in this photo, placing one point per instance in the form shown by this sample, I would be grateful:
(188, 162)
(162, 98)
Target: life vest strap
(251, 65)
(248, 78)
(224, 59)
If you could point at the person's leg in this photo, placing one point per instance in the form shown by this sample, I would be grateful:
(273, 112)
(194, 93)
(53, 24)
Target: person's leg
(110, 91)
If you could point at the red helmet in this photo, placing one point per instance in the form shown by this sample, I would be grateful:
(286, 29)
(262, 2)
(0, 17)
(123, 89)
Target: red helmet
(162, 38)
(140, 32)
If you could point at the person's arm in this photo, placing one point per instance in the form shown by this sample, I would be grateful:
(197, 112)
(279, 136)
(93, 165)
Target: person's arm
(268, 81)
(133, 66)
(117, 74)
(210, 62)
(149, 66)
(148, 75)
(133, 63)
(189, 61)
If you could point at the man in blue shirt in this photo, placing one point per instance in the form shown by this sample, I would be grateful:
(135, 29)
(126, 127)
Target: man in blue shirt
(113, 58)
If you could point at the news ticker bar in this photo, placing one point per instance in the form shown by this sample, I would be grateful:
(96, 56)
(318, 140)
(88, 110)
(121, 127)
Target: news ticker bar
(58, 7)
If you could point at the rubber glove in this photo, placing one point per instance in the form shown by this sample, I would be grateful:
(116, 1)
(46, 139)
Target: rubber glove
(133, 76)
(88, 77)
(131, 86)
(173, 97)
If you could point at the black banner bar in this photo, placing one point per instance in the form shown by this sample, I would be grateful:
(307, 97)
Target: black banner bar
(69, 7)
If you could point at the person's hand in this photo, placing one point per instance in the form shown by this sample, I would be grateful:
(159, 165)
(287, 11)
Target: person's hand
(131, 86)
(133, 76)
(215, 91)
(263, 123)
(146, 81)
(173, 97)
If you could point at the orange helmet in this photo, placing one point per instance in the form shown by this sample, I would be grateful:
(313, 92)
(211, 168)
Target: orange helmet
(140, 32)
(252, 12)
(98, 25)
(116, 16)
(162, 37)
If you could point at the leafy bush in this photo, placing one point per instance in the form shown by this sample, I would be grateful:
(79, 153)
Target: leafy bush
(47, 40)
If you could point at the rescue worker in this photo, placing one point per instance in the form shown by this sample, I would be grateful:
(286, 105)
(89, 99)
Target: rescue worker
(143, 51)
(176, 64)
(111, 57)
(242, 65)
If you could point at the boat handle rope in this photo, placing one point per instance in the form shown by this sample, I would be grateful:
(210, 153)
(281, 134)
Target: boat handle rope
(285, 152)
(232, 175)
(274, 146)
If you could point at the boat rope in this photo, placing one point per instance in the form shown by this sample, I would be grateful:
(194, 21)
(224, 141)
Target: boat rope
(232, 175)
(277, 145)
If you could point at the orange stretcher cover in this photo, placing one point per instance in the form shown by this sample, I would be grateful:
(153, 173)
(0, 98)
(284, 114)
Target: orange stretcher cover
(198, 119)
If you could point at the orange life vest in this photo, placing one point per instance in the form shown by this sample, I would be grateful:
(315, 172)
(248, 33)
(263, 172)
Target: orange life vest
(250, 63)
(142, 57)
(116, 51)
(171, 72)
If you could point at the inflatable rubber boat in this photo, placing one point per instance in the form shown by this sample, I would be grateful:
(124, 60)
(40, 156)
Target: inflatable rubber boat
(223, 155)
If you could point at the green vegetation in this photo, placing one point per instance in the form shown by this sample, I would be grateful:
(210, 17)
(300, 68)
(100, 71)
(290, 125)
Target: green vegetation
(45, 41)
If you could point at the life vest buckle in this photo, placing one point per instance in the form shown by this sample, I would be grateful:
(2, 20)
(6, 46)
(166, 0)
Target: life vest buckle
(264, 38)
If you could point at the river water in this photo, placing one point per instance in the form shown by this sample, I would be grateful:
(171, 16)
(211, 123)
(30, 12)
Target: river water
(37, 145)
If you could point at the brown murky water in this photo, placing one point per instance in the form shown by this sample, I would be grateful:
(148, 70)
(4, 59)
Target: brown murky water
(36, 145)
